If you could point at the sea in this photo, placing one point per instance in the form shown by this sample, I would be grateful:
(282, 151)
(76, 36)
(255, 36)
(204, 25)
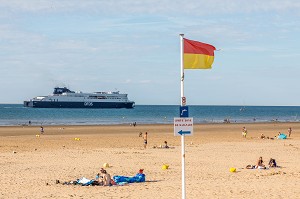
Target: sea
(16, 114)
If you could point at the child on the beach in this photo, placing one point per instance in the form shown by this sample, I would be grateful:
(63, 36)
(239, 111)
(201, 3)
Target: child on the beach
(42, 130)
(244, 132)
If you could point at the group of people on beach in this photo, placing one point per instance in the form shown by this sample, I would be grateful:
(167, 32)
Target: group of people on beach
(104, 179)
(133, 124)
(262, 136)
(145, 138)
(260, 164)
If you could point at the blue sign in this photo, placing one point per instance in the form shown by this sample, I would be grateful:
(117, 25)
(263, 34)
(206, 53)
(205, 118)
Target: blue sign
(184, 111)
(181, 132)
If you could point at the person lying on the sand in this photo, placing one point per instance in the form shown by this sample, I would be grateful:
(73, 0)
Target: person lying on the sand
(262, 136)
(250, 166)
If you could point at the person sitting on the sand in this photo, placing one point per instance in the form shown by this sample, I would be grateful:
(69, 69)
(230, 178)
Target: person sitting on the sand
(272, 163)
(166, 145)
(106, 178)
(99, 178)
(262, 136)
(102, 178)
(260, 164)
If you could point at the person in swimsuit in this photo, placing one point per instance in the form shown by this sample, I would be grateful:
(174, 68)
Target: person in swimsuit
(260, 164)
(106, 178)
(272, 163)
(166, 145)
(42, 130)
(102, 178)
(145, 140)
(244, 132)
(290, 131)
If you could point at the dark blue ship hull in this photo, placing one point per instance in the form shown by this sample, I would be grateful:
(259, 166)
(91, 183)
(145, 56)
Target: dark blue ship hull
(44, 104)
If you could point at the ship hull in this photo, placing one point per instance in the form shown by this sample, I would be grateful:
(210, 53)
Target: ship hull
(43, 104)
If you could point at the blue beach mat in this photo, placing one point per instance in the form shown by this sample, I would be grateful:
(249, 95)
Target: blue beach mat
(282, 136)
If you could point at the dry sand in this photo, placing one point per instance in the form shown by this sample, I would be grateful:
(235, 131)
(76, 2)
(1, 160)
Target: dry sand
(38, 162)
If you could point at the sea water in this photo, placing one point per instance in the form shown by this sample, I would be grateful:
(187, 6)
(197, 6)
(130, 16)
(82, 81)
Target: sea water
(16, 114)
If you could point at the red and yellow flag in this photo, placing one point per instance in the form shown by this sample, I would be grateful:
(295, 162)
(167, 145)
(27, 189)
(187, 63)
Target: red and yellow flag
(197, 55)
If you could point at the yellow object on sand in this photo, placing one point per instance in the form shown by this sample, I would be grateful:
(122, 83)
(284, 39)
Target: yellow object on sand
(105, 165)
(37, 135)
(77, 139)
(165, 167)
(232, 169)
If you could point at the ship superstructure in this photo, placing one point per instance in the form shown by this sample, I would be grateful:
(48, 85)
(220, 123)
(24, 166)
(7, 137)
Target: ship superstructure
(62, 97)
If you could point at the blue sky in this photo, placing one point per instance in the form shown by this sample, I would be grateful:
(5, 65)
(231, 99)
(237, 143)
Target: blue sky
(133, 46)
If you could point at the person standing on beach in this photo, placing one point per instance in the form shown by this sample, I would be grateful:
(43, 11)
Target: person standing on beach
(145, 140)
(244, 132)
(290, 131)
(42, 130)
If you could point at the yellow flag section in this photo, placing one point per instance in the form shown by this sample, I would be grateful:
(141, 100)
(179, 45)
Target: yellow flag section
(197, 55)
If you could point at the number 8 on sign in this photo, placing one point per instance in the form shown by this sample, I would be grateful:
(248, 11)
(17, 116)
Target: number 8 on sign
(183, 99)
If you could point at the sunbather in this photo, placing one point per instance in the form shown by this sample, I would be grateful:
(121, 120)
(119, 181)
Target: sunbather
(272, 163)
(166, 145)
(102, 178)
(260, 164)
(249, 166)
(106, 178)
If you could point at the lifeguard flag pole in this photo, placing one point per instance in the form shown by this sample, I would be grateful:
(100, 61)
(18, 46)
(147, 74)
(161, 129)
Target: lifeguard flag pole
(193, 55)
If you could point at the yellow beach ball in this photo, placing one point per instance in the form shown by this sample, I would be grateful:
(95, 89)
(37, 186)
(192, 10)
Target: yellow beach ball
(165, 167)
(232, 169)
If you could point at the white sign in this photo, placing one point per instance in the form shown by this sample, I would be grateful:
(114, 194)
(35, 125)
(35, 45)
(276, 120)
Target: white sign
(183, 126)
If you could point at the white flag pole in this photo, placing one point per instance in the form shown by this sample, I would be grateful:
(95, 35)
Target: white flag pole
(181, 103)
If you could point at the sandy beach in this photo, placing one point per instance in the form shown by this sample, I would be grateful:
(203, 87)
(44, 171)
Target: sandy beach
(30, 165)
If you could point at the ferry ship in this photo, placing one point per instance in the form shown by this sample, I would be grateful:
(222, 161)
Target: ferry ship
(62, 97)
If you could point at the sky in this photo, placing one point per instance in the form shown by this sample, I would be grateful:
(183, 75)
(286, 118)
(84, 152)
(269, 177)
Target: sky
(133, 47)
